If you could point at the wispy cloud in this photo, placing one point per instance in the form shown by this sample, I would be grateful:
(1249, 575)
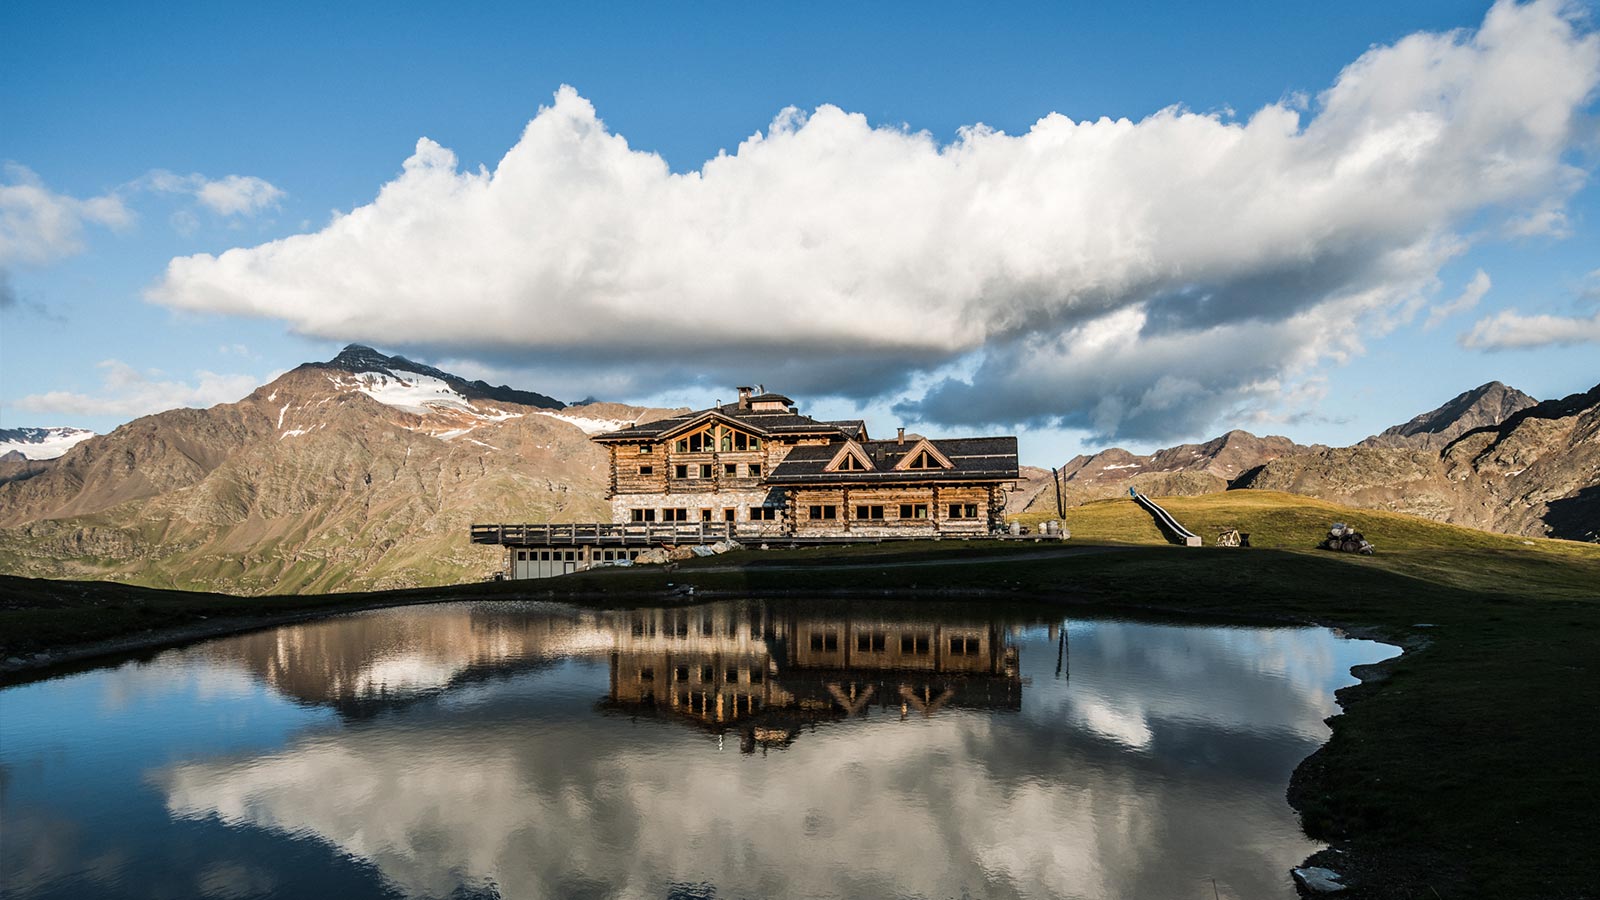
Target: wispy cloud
(230, 195)
(39, 226)
(1511, 330)
(1466, 300)
(127, 391)
(1134, 278)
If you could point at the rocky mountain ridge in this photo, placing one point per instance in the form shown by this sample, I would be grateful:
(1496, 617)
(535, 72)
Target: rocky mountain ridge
(1535, 473)
(1184, 470)
(1490, 458)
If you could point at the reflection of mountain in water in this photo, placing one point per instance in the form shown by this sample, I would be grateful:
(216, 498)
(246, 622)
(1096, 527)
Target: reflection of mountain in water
(361, 665)
(721, 666)
(747, 667)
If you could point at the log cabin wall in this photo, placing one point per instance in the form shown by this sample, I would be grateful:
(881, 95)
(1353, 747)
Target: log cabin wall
(888, 510)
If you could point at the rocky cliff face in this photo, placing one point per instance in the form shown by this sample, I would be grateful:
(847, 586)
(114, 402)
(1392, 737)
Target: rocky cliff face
(1482, 407)
(362, 472)
(1537, 473)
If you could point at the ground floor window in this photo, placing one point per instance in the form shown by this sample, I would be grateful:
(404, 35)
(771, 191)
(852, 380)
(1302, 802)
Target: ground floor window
(705, 515)
(869, 512)
(763, 513)
(963, 510)
(674, 515)
(825, 641)
(919, 644)
(824, 511)
(642, 515)
(913, 510)
(729, 514)
(871, 642)
(963, 646)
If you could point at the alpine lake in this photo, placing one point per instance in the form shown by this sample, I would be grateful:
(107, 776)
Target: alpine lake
(731, 749)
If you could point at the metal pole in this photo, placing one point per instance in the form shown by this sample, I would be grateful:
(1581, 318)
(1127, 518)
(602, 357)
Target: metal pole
(1061, 509)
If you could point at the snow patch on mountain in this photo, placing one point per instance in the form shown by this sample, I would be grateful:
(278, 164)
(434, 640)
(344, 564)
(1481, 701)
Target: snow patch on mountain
(590, 425)
(42, 443)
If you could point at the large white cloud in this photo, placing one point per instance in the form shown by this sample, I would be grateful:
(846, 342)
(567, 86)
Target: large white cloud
(1076, 271)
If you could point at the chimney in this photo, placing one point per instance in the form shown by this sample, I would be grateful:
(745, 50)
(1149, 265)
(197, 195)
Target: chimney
(744, 398)
(901, 437)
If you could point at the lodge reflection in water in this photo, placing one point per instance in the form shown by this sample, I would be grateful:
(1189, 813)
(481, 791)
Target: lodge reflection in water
(758, 669)
(746, 668)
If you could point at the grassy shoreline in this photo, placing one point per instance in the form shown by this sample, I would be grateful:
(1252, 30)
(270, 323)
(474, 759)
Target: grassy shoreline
(1466, 770)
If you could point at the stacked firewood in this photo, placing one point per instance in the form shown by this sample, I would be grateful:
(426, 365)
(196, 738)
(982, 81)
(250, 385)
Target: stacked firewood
(1345, 539)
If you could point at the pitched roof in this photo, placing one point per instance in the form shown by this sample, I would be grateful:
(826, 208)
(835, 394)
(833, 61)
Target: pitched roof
(972, 459)
(762, 422)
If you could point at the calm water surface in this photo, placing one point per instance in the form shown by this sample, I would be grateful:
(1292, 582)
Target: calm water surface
(726, 750)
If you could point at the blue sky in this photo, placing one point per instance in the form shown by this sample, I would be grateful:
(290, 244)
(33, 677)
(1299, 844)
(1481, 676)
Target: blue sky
(316, 107)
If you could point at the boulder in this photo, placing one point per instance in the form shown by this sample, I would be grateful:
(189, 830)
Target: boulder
(1317, 880)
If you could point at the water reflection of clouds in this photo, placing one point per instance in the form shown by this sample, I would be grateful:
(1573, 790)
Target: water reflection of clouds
(996, 805)
(467, 757)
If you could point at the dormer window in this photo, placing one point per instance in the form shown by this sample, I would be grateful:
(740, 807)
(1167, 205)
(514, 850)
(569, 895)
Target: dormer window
(923, 457)
(851, 464)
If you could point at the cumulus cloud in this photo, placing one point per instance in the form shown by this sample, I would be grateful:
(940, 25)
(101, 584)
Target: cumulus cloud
(1511, 330)
(127, 391)
(1462, 302)
(39, 226)
(1135, 278)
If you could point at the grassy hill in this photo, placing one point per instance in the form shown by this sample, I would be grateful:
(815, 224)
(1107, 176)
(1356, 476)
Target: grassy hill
(1410, 546)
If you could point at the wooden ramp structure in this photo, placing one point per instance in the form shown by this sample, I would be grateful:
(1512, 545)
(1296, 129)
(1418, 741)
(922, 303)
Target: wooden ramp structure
(1174, 531)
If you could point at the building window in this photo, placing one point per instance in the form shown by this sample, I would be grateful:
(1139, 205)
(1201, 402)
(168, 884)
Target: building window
(963, 646)
(763, 513)
(646, 449)
(705, 470)
(647, 470)
(963, 510)
(705, 515)
(707, 674)
(875, 641)
(643, 515)
(674, 515)
(731, 470)
(924, 460)
(826, 641)
(918, 644)
(729, 515)
(681, 673)
(913, 510)
(680, 471)
(851, 464)
(731, 676)
(824, 511)
(755, 470)
(869, 512)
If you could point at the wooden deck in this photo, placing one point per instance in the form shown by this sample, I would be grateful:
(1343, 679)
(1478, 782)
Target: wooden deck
(605, 534)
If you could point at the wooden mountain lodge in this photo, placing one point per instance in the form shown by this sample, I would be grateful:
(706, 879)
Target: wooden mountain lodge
(759, 470)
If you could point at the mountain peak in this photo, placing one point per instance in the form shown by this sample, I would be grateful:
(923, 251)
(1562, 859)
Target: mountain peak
(360, 359)
(1484, 406)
